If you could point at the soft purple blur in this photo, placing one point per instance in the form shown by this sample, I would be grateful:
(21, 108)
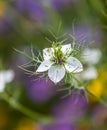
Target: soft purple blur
(31, 8)
(71, 108)
(40, 90)
(67, 112)
(3, 25)
(7, 21)
(61, 4)
(100, 114)
(85, 34)
(56, 126)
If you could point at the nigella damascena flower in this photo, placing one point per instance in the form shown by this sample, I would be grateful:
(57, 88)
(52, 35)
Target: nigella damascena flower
(59, 60)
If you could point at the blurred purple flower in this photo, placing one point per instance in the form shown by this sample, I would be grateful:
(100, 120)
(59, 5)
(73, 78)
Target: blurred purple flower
(61, 4)
(71, 108)
(67, 111)
(3, 26)
(40, 90)
(31, 8)
(56, 126)
(7, 21)
(85, 34)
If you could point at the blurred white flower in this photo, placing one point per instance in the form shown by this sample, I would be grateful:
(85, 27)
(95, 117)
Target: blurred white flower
(91, 56)
(89, 74)
(5, 77)
(58, 60)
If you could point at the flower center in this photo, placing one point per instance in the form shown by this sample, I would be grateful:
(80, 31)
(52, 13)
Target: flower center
(58, 54)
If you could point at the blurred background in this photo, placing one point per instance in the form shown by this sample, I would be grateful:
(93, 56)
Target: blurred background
(29, 104)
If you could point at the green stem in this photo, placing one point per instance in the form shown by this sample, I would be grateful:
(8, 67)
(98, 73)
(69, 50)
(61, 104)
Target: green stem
(77, 80)
(32, 114)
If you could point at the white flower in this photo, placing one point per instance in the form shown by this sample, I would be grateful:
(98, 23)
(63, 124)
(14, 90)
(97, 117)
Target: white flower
(59, 60)
(5, 77)
(89, 74)
(91, 56)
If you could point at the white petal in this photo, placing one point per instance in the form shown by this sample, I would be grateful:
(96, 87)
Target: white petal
(66, 49)
(48, 53)
(73, 65)
(44, 66)
(56, 73)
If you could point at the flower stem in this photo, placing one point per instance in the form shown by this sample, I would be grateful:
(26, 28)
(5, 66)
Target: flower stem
(77, 80)
(32, 114)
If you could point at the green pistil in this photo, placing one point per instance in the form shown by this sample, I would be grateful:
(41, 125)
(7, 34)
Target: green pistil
(58, 54)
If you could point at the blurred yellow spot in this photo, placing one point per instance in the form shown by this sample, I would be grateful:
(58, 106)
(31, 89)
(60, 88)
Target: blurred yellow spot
(4, 119)
(103, 76)
(27, 124)
(96, 88)
(99, 87)
(2, 8)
